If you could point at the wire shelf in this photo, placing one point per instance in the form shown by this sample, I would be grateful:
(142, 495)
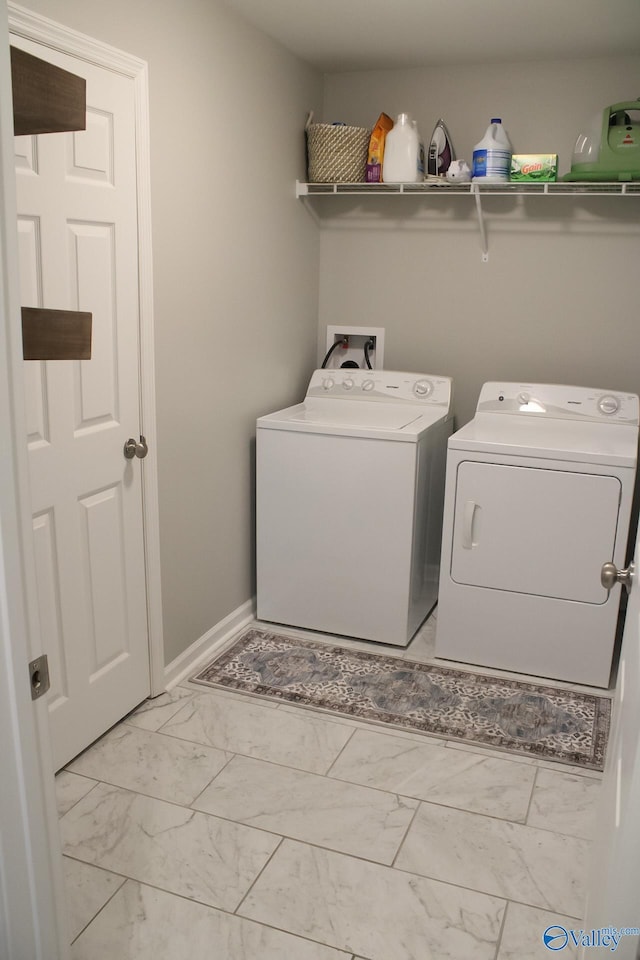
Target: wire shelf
(443, 188)
(478, 191)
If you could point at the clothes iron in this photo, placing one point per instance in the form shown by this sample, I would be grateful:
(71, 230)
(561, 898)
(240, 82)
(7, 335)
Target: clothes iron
(610, 150)
(441, 152)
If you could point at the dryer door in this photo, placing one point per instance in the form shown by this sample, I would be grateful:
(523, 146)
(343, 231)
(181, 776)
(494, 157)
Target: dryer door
(531, 530)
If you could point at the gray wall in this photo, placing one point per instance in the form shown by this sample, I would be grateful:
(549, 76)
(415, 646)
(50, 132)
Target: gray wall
(239, 310)
(557, 300)
(235, 276)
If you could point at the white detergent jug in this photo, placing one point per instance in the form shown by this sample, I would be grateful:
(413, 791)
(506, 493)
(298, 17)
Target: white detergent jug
(401, 162)
(492, 156)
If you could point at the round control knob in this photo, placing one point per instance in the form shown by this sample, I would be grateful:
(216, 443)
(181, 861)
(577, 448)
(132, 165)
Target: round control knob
(348, 383)
(328, 383)
(523, 398)
(608, 404)
(423, 388)
(368, 385)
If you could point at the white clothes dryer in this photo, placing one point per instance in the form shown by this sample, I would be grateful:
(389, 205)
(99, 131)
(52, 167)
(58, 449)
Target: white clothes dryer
(349, 501)
(538, 497)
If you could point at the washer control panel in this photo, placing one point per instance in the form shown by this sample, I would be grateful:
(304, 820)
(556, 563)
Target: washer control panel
(552, 400)
(387, 385)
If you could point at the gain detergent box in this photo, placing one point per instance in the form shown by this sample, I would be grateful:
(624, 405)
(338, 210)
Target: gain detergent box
(534, 167)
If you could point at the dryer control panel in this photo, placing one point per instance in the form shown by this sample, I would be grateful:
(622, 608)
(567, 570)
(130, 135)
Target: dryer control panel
(559, 402)
(386, 385)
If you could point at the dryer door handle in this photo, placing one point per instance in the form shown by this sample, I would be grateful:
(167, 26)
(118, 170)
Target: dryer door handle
(468, 517)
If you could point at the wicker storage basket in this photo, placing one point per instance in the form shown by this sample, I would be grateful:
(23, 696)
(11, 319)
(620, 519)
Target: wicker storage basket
(337, 154)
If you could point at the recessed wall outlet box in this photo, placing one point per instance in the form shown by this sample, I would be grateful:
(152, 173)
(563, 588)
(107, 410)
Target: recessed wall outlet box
(354, 352)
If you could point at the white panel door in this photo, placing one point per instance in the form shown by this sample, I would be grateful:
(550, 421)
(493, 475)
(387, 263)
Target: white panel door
(77, 227)
(529, 530)
(613, 898)
(30, 863)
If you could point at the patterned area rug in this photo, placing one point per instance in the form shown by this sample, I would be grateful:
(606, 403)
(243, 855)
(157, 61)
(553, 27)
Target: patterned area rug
(517, 716)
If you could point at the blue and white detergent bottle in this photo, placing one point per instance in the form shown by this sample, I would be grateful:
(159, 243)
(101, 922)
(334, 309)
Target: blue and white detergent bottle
(492, 156)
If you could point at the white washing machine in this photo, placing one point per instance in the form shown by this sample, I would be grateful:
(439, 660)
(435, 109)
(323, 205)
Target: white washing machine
(350, 493)
(538, 497)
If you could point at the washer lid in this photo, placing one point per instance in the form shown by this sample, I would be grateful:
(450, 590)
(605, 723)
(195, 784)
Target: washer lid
(615, 444)
(354, 413)
(395, 421)
(384, 404)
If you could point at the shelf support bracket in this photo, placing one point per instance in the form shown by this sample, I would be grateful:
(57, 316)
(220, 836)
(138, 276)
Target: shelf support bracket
(481, 223)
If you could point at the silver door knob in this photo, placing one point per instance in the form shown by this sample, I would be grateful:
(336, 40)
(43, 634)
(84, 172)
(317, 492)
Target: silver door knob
(610, 575)
(134, 448)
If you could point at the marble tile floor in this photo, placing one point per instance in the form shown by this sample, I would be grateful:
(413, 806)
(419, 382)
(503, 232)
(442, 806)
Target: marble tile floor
(214, 824)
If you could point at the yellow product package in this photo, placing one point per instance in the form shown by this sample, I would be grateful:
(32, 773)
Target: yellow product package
(376, 148)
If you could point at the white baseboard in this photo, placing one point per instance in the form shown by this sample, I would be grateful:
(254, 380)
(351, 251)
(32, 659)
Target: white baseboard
(208, 644)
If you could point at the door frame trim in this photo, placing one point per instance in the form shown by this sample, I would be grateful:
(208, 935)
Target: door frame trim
(33, 26)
